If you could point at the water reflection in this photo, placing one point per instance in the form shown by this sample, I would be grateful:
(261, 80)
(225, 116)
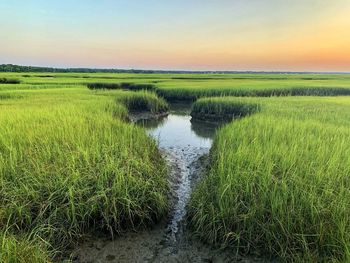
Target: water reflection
(205, 129)
(178, 129)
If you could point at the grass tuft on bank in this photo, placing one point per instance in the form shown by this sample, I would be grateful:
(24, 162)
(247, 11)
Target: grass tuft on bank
(223, 109)
(143, 101)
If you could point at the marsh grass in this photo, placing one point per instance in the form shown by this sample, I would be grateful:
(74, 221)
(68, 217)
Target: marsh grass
(14, 249)
(193, 86)
(70, 165)
(122, 85)
(104, 86)
(9, 81)
(192, 94)
(7, 96)
(222, 109)
(279, 181)
(143, 101)
(136, 87)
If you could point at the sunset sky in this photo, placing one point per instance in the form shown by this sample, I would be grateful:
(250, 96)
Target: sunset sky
(291, 35)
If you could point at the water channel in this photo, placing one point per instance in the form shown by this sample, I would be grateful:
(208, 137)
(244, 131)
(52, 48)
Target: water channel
(185, 144)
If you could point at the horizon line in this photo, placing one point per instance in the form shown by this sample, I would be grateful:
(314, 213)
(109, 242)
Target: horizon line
(179, 70)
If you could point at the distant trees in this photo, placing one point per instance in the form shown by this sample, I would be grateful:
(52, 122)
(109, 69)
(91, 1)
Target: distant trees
(17, 68)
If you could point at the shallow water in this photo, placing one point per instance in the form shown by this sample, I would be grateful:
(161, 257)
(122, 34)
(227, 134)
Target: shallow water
(179, 130)
(183, 142)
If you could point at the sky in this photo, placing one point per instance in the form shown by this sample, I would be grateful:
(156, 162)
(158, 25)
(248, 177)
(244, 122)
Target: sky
(270, 35)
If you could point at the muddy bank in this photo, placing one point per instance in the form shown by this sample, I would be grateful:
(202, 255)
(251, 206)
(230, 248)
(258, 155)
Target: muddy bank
(170, 241)
(135, 117)
(151, 246)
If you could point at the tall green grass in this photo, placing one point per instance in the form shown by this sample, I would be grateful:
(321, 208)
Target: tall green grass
(9, 95)
(234, 89)
(14, 250)
(143, 101)
(103, 86)
(279, 181)
(9, 81)
(70, 165)
(193, 86)
(122, 85)
(139, 86)
(222, 109)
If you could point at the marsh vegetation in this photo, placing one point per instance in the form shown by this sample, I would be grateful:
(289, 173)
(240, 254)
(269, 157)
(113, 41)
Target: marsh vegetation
(278, 179)
(71, 164)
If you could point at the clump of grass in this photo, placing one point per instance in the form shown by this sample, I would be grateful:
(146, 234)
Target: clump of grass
(136, 87)
(44, 76)
(7, 96)
(222, 109)
(181, 94)
(9, 81)
(68, 167)
(143, 101)
(104, 86)
(279, 182)
(21, 250)
(123, 85)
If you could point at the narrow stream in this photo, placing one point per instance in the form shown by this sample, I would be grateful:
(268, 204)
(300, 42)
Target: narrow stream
(185, 144)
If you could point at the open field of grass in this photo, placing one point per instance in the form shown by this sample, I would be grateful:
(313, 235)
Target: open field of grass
(70, 163)
(192, 86)
(279, 179)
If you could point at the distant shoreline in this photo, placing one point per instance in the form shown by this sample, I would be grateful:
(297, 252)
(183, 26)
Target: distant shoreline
(20, 68)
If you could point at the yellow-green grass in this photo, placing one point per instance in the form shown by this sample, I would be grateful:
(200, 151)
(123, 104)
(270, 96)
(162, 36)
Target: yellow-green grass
(143, 100)
(279, 180)
(193, 89)
(213, 108)
(18, 249)
(193, 86)
(70, 164)
(122, 85)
